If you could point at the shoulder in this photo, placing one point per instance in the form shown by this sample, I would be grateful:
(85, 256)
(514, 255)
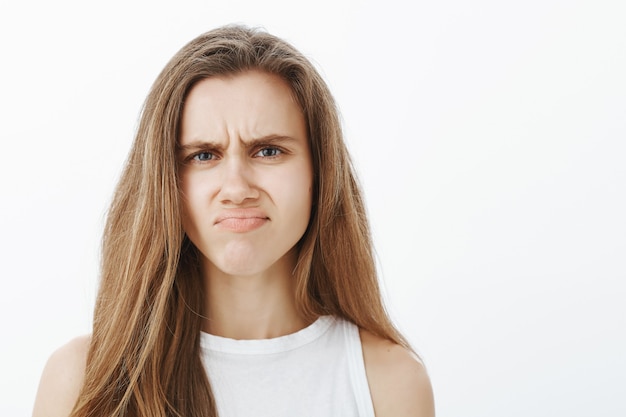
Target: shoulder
(62, 379)
(398, 380)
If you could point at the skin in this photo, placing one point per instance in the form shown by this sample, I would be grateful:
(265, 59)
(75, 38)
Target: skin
(62, 379)
(246, 178)
(399, 384)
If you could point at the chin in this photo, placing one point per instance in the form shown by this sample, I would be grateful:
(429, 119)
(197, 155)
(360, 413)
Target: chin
(239, 259)
(241, 263)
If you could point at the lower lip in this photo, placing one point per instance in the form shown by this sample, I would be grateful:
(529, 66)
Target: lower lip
(241, 225)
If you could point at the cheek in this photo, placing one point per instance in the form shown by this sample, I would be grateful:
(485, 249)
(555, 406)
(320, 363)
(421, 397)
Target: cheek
(298, 194)
(191, 200)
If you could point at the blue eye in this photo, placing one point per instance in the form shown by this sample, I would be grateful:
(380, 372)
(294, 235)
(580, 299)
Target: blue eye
(269, 152)
(203, 156)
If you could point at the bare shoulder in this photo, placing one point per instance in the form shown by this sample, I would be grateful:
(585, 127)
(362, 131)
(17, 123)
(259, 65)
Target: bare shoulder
(62, 379)
(398, 381)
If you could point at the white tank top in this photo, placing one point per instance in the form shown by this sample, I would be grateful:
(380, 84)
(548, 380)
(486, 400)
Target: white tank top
(317, 371)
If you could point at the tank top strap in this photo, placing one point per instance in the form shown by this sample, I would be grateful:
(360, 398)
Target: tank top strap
(357, 369)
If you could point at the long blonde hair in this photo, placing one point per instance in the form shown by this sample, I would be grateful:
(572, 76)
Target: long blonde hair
(144, 358)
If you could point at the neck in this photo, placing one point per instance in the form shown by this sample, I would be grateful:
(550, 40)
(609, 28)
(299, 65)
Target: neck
(259, 306)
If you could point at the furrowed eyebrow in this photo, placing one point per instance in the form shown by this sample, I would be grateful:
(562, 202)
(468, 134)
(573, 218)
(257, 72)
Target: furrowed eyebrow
(268, 140)
(201, 144)
(197, 145)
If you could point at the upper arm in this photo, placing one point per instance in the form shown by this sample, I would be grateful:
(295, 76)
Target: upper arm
(398, 381)
(62, 379)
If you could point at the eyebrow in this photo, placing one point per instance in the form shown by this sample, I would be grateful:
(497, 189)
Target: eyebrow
(208, 144)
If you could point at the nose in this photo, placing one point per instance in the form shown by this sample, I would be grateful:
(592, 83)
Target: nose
(237, 185)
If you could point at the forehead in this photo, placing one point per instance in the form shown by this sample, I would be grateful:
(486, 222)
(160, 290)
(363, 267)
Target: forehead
(252, 103)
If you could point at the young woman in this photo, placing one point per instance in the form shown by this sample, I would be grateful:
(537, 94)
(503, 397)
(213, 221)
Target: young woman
(237, 270)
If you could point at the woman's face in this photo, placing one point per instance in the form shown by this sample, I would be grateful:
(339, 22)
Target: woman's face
(245, 170)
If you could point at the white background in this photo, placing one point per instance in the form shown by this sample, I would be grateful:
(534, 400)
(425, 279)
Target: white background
(490, 138)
